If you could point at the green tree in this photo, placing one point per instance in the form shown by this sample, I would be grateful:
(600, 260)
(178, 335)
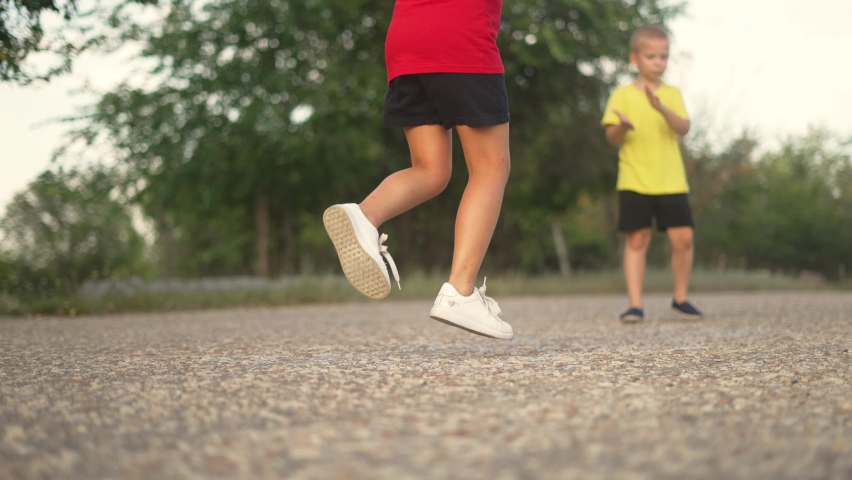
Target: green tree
(801, 208)
(222, 137)
(562, 59)
(67, 227)
(226, 121)
(785, 210)
(23, 35)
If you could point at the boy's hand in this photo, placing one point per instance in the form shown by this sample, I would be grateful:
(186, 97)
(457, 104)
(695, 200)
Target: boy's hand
(678, 124)
(654, 99)
(625, 122)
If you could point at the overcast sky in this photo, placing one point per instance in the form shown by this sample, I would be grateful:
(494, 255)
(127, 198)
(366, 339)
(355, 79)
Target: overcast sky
(774, 66)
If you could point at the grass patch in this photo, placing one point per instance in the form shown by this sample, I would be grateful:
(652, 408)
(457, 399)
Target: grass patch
(313, 290)
(612, 282)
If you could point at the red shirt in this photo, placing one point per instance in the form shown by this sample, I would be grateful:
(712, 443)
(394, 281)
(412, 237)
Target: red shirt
(443, 36)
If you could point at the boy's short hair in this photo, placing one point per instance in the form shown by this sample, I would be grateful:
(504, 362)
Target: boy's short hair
(646, 32)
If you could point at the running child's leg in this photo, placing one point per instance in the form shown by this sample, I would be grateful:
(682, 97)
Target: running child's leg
(635, 252)
(486, 152)
(353, 228)
(431, 166)
(459, 303)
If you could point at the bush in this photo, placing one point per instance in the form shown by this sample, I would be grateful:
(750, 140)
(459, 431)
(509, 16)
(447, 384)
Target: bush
(66, 227)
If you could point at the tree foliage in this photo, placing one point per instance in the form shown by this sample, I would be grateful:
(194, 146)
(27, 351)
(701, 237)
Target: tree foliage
(225, 134)
(259, 114)
(787, 209)
(65, 228)
(23, 35)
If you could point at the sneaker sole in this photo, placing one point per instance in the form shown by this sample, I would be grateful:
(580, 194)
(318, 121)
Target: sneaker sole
(358, 266)
(455, 320)
(632, 319)
(686, 316)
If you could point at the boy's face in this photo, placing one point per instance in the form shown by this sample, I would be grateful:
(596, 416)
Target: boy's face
(651, 58)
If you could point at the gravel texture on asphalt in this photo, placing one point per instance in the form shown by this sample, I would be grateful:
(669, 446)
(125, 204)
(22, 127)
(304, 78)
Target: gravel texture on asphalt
(762, 388)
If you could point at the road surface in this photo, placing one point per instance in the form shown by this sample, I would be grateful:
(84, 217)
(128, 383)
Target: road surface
(762, 388)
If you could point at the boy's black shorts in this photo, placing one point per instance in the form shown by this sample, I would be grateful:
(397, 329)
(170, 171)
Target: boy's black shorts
(448, 99)
(637, 211)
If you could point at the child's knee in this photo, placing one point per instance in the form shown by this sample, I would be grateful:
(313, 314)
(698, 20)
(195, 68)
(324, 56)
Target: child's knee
(639, 240)
(682, 240)
(442, 179)
(499, 170)
(506, 168)
(503, 165)
(493, 167)
(438, 179)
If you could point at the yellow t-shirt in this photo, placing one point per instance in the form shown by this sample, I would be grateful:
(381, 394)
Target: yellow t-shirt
(649, 159)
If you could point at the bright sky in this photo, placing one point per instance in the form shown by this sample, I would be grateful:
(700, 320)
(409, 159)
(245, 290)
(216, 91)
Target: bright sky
(774, 66)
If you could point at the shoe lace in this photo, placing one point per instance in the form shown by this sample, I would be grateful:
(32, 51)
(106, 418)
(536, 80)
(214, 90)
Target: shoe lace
(490, 303)
(383, 249)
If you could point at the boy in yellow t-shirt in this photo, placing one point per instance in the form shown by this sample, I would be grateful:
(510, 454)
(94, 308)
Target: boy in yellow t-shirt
(645, 118)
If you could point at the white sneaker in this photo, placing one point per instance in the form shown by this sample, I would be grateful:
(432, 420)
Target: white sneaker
(360, 250)
(476, 314)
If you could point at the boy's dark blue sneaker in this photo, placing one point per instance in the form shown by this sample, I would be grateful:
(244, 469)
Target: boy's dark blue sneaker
(633, 315)
(686, 310)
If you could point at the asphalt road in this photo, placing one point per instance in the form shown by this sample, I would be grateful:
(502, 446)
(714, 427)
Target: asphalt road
(762, 388)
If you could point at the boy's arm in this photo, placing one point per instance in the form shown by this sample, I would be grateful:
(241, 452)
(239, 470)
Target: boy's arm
(679, 125)
(615, 133)
(616, 123)
(676, 122)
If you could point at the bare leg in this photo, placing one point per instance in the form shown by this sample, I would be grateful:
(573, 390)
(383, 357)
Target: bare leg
(682, 256)
(431, 166)
(635, 251)
(486, 152)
